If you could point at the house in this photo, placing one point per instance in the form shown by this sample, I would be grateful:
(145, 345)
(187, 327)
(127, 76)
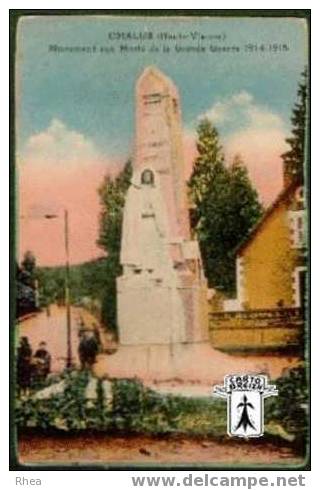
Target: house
(271, 262)
(271, 265)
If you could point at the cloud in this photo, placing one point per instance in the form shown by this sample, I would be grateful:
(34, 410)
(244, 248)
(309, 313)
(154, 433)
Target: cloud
(59, 145)
(228, 109)
(257, 133)
(60, 168)
(241, 110)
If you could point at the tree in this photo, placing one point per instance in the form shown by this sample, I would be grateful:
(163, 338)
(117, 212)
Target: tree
(28, 267)
(51, 282)
(26, 285)
(226, 207)
(293, 159)
(112, 197)
(208, 166)
(245, 201)
(208, 189)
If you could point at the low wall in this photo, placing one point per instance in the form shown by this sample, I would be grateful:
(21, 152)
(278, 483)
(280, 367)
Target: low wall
(257, 329)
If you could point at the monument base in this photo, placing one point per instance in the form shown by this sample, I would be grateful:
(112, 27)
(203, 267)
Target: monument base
(185, 363)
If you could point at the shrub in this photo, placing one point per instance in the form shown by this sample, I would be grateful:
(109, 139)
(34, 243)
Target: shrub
(63, 411)
(289, 408)
(134, 408)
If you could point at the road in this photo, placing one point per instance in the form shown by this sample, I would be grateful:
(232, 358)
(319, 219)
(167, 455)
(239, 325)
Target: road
(104, 448)
(52, 330)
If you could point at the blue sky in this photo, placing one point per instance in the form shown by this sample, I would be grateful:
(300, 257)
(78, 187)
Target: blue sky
(75, 112)
(94, 94)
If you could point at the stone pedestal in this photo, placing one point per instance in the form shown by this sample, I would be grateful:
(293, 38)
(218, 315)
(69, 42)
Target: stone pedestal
(185, 364)
(168, 314)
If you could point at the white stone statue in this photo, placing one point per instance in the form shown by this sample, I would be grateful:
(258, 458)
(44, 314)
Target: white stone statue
(145, 228)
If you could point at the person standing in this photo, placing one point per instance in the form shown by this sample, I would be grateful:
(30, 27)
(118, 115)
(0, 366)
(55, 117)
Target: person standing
(42, 360)
(88, 350)
(24, 366)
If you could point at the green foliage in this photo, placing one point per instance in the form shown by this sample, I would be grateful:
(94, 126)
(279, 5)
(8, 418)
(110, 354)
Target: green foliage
(293, 159)
(289, 408)
(109, 293)
(201, 416)
(51, 285)
(26, 298)
(86, 280)
(134, 408)
(64, 411)
(139, 409)
(112, 197)
(28, 266)
(208, 166)
(226, 207)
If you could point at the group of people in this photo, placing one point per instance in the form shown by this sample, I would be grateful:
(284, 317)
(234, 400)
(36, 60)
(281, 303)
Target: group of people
(32, 368)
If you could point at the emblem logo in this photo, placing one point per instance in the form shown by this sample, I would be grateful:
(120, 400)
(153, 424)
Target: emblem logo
(245, 396)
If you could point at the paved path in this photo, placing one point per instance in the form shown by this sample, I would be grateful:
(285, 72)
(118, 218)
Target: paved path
(52, 330)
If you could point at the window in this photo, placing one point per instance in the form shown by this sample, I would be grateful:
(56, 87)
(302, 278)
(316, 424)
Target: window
(300, 195)
(297, 226)
(299, 286)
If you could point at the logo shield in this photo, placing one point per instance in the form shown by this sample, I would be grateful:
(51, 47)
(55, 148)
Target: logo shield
(245, 397)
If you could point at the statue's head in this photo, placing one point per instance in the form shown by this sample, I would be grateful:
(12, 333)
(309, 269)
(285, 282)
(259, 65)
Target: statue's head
(147, 177)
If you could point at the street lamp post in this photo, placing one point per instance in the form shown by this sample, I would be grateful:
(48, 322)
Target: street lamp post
(67, 290)
(66, 284)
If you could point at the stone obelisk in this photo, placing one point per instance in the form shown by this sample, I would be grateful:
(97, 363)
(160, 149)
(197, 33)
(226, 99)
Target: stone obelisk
(162, 292)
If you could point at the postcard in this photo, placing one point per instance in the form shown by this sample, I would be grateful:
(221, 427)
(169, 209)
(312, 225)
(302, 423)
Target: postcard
(161, 190)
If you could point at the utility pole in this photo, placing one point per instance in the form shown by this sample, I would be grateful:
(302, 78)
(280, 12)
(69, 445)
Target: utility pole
(67, 290)
(66, 284)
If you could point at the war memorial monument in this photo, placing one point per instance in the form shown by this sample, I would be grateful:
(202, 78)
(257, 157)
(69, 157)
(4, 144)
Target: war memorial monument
(162, 305)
